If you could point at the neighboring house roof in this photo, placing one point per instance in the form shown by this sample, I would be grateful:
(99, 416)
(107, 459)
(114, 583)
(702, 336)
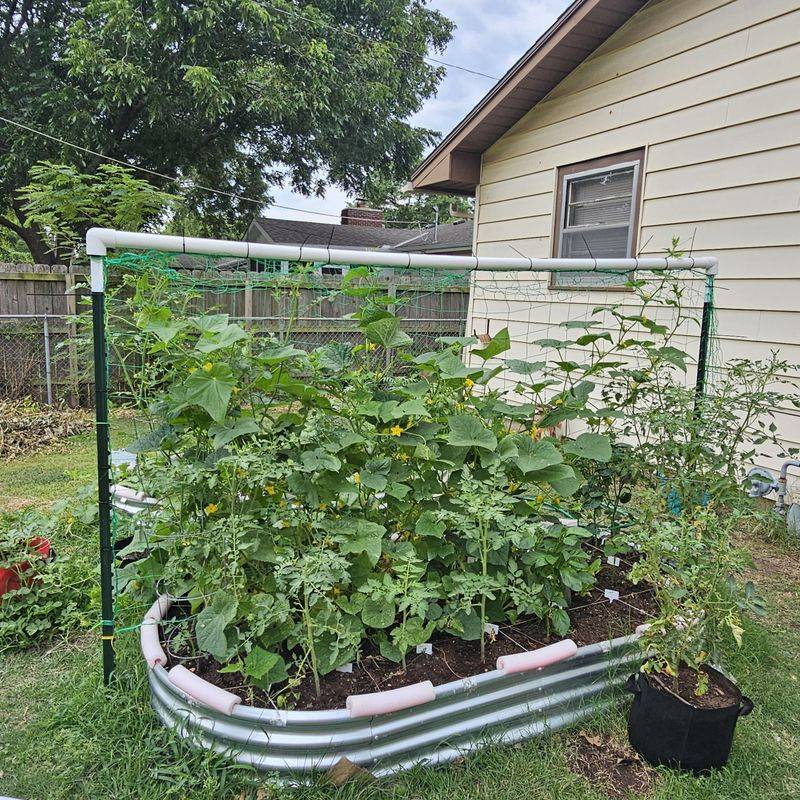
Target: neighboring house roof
(454, 236)
(448, 238)
(454, 166)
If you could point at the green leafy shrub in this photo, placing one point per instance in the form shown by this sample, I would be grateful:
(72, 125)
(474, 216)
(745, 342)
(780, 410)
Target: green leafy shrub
(315, 501)
(696, 573)
(57, 595)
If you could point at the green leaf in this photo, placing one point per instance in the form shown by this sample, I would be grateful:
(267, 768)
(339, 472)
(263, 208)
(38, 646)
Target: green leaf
(534, 455)
(673, 356)
(150, 441)
(469, 431)
(211, 390)
(359, 536)
(160, 323)
(232, 429)
(265, 667)
(593, 446)
(318, 459)
(211, 624)
(378, 612)
(387, 332)
(499, 343)
(525, 367)
(217, 340)
(451, 366)
(428, 525)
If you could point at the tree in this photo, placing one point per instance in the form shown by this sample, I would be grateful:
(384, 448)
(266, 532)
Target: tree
(239, 95)
(63, 203)
(416, 209)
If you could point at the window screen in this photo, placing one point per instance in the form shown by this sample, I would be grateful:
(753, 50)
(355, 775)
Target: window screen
(597, 215)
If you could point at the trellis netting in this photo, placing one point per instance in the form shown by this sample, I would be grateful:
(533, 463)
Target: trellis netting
(148, 290)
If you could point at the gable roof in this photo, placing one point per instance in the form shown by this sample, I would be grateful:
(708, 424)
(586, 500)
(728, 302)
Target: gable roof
(454, 166)
(449, 237)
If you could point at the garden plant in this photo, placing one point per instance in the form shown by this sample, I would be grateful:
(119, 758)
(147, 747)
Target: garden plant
(316, 505)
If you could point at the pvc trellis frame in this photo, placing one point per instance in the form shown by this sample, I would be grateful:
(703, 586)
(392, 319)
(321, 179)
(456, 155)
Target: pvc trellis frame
(100, 240)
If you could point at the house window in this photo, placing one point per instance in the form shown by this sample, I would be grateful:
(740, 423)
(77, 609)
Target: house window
(597, 212)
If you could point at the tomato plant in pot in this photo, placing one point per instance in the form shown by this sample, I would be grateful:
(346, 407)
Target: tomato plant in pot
(685, 710)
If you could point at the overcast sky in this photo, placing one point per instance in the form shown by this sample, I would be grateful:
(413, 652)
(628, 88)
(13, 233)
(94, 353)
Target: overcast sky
(490, 36)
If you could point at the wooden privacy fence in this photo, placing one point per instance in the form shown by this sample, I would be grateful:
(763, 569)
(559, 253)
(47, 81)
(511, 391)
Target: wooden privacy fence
(44, 354)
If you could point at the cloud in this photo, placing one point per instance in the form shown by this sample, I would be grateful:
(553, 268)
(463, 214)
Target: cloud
(490, 36)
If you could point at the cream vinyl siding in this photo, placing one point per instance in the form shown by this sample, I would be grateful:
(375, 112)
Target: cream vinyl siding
(711, 89)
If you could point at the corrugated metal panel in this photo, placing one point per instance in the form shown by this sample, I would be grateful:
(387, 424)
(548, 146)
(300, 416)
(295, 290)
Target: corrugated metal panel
(466, 715)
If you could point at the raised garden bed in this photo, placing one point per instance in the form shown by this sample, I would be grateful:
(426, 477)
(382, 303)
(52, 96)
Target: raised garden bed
(455, 703)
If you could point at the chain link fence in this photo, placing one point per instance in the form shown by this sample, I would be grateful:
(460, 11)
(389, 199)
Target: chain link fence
(42, 357)
(39, 360)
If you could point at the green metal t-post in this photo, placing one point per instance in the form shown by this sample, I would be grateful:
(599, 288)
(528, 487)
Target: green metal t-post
(103, 468)
(705, 336)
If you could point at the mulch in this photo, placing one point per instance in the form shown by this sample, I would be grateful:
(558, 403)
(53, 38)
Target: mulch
(609, 764)
(594, 619)
(27, 428)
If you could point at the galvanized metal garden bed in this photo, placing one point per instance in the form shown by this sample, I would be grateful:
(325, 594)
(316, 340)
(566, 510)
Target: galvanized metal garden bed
(465, 715)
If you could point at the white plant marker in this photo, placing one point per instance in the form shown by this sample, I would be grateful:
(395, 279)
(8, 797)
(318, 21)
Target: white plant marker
(611, 594)
(345, 667)
(491, 629)
(426, 648)
(614, 561)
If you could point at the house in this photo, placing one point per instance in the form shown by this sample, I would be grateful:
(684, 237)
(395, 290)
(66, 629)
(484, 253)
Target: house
(630, 122)
(364, 228)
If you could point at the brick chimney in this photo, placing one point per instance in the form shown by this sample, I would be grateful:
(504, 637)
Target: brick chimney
(362, 215)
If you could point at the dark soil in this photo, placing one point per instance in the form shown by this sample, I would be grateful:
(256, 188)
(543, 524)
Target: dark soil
(594, 619)
(609, 764)
(721, 693)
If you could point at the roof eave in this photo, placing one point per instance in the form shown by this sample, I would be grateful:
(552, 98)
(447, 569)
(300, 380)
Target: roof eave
(454, 165)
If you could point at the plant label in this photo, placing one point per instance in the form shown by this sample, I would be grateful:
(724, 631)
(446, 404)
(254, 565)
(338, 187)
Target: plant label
(614, 561)
(345, 667)
(426, 649)
(611, 594)
(491, 629)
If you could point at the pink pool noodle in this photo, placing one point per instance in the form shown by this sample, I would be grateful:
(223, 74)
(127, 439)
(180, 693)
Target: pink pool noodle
(151, 646)
(119, 490)
(368, 705)
(159, 608)
(202, 691)
(536, 659)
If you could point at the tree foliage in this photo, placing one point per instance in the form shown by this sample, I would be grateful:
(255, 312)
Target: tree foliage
(63, 203)
(239, 95)
(416, 209)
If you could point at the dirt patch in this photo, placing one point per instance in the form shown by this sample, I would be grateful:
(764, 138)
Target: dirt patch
(15, 503)
(606, 762)
(594, 619)
(26, 427)
(721, 693)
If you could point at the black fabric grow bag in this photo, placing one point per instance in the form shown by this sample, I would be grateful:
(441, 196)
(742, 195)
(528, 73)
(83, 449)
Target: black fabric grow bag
(665, 729)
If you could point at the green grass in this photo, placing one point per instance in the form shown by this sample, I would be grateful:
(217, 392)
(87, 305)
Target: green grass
(63, 735)
(57, 472)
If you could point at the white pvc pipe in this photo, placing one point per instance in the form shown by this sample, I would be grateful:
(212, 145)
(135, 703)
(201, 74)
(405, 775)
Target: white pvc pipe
(100, 240)
(203, 692)
(370, 705)
(157, 611)
(537, 659)
(150, 644)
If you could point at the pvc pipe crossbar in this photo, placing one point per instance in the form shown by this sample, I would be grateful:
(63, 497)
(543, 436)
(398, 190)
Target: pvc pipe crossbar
(100, 240)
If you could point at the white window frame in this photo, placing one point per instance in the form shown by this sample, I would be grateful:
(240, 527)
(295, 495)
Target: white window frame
(562, 217)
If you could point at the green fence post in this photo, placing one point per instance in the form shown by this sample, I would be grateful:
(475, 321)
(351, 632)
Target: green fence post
(705, 336)
(103, 472)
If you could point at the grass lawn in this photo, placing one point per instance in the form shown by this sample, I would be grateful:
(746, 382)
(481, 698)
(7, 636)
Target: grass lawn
(62, 735)
(56, 472)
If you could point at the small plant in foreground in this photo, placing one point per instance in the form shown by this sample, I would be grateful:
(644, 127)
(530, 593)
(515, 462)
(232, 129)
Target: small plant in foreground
(696, 573)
